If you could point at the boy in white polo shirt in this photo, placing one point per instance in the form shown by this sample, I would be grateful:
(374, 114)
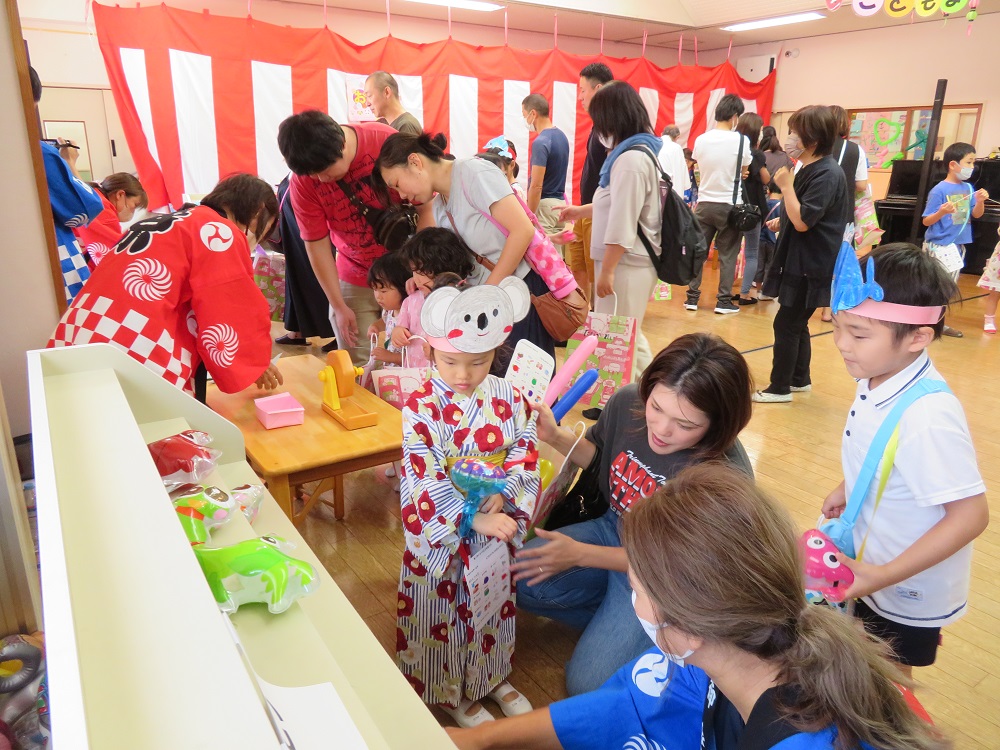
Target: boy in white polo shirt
(916, 542)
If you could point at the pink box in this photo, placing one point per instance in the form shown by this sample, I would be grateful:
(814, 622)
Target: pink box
(281, 410)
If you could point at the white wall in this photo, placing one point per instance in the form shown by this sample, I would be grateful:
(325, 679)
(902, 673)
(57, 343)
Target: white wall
(27, 302)
(894, 67)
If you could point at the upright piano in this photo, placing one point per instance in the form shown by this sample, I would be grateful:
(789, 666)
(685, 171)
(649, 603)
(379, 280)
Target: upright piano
(895, 212)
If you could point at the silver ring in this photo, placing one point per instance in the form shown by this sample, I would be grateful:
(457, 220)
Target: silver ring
(541, 569)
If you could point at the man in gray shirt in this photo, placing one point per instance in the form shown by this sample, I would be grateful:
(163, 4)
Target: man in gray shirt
(382, 92)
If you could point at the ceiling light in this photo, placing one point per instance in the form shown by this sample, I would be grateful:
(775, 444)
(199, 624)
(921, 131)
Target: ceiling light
(767, 22)
(461, 4)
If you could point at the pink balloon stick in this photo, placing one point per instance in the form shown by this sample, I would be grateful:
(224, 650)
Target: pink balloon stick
(570, 368)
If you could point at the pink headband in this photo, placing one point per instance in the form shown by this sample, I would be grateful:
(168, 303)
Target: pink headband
(442, 344)
(890, 312)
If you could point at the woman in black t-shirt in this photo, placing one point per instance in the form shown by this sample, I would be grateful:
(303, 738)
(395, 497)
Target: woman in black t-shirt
(817, 209)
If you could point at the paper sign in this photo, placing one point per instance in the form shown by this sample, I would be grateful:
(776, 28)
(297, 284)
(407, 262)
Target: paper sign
(358, 107)
(488, 579)
(948, 256)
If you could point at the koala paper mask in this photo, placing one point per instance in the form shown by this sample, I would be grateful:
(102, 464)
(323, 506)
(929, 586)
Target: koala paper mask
(474, 320)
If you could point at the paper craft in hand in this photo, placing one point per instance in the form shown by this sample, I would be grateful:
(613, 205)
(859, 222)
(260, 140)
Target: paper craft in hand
(530, 370)
(488, 577)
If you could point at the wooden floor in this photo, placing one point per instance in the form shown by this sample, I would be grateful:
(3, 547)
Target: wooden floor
(795, 451)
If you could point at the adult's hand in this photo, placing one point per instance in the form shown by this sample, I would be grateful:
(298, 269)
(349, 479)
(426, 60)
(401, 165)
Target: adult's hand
(570, 213)
(774, 224)
(545, 425)
(347, 326)
(537, 564)
(270, 379)
(69, 151)
(606, 282)
(784, 179)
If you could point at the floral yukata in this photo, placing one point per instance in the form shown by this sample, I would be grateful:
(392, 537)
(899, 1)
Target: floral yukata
(437, 649)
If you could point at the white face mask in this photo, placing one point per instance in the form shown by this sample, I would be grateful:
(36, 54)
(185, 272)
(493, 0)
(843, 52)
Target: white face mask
(965, 173)
(529, 126)
(652, 630)
(606, 141)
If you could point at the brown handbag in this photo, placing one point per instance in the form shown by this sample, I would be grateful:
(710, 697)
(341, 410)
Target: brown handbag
(561, 317)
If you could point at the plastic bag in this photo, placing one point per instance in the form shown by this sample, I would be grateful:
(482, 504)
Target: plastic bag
(184, 458)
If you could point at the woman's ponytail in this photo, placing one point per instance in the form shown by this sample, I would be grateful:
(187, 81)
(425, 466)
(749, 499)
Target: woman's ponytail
(845, 678)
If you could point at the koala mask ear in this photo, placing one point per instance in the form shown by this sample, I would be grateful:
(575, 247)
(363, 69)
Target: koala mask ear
(434, 313)
(520, 297)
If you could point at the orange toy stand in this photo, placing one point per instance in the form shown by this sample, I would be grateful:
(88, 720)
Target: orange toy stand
(338, 386)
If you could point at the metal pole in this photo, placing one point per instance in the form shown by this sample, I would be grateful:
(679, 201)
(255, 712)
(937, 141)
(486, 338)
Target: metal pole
(925, 172)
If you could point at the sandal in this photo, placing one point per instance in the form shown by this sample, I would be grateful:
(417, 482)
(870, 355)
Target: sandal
(465, 720)
(514, 707)
(289, 340)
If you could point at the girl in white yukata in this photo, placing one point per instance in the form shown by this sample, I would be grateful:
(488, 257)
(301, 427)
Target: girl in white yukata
(463, 411)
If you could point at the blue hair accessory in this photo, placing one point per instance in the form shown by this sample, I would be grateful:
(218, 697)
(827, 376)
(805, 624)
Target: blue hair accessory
(501, 144)
(849, 287)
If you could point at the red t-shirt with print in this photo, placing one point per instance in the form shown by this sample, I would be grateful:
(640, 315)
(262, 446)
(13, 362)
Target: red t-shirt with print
(323, 209)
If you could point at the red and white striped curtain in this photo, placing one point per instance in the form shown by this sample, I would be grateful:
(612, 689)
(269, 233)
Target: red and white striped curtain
(201, 96)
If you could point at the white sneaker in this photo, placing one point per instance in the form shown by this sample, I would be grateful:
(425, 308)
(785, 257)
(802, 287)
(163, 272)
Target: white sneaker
(761, 397)
(801, 388)
(391, 471)
(989, 325)
(463, 719)
(692, 306)
(515, 705)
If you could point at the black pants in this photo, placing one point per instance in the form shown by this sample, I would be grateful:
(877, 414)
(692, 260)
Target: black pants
(792, 347)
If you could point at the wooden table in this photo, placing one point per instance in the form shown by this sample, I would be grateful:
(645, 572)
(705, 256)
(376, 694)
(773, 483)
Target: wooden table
(318, 449)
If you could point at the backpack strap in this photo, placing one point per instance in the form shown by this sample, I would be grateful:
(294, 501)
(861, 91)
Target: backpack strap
(877, 449)
(670, 186)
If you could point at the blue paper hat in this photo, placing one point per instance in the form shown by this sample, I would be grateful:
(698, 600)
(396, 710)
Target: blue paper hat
(849, 287)
(500, 143)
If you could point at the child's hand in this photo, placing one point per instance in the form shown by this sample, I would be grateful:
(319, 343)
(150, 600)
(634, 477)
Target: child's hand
(497, 525)
(381, 354)
(868, 578)
(372, 331)
(400, 337)
(982, 195)
(492, 504)
(411, 286)
(948, 208)
(835, 502)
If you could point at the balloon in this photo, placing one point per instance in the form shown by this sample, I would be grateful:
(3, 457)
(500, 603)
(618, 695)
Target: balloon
(477, 478)
(545, 473)
(201, 509)
(184, 457)
(24, 659)
(953, 6)
(927, 8)
(570, 367)
(824, 573)
(834, 4)
(574, 394)
(256, 570)
(867, 7)
(899, 8)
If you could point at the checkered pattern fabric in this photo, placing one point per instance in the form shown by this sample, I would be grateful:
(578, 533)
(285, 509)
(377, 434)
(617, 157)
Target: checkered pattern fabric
(74, 268)
(94, 319)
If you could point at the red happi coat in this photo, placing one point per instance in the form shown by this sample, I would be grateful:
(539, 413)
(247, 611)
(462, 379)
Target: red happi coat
(176, 291)
(101, 235)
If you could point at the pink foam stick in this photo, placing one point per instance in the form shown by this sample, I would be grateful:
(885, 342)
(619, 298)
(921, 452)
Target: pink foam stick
(570, 368)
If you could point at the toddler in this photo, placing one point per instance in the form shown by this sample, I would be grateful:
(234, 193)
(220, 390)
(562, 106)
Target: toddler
(428, 253)
(463, 411)
(387, 278)
(990, 281)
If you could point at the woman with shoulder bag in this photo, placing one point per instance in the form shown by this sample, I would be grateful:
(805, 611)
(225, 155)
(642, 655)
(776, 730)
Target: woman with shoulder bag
(473, 198)
(689, 406)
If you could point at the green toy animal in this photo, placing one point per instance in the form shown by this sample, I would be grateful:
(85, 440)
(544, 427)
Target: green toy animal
(256, 570)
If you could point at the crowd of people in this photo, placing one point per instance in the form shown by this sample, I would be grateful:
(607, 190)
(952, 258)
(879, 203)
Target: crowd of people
(441, 261)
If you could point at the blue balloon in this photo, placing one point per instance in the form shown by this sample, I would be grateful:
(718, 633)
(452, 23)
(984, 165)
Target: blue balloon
(568, 400)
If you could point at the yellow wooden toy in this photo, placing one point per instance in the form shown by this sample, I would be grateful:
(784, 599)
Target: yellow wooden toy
(338, 386)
